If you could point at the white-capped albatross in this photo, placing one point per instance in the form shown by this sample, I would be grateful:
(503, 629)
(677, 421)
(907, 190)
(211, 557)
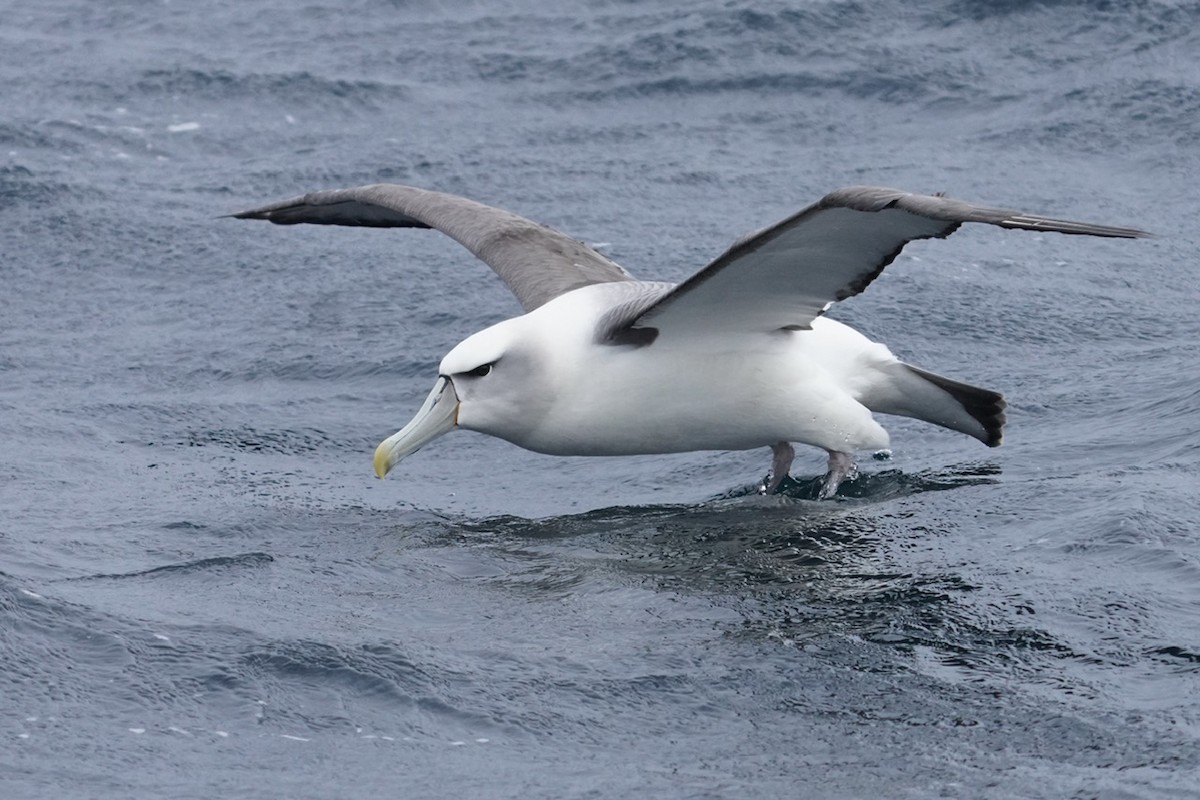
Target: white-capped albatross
(737, 356)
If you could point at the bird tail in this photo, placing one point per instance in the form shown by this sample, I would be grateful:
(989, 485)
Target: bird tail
(913, 392)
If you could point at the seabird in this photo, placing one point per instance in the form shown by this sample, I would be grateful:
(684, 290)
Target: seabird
(738, 356)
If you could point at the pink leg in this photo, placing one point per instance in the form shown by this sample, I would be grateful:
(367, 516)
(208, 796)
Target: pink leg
(841, 467)
(781, 462)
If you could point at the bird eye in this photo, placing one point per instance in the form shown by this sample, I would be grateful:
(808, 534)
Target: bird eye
(480, 371)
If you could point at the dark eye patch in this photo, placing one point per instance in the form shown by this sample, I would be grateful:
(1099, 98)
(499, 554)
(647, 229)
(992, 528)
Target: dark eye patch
(480, 371)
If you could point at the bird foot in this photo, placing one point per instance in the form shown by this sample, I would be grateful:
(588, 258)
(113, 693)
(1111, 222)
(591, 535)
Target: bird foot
(841, 468)
(781, 463)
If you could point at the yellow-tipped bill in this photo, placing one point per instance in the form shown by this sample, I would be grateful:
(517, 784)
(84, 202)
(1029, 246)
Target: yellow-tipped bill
(438, 415)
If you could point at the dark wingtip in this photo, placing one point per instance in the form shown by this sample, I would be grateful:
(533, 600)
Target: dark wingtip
(1031, 222)
(939, 206)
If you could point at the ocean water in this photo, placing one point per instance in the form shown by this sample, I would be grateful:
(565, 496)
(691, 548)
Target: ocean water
(204, 591)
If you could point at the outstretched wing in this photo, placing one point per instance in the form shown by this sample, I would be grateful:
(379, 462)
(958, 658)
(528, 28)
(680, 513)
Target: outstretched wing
(537, 263)
(784, 276)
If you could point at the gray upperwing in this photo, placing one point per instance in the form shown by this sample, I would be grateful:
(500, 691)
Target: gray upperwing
(536, 262)
(786, 275)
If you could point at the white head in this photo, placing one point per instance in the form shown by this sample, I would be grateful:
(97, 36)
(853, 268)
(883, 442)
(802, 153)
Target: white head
(487, 383)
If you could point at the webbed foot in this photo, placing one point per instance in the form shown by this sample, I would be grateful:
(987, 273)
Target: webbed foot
(781, 463)
(841, 467)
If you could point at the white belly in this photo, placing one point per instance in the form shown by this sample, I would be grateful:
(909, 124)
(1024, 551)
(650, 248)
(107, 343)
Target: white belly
(682, 396)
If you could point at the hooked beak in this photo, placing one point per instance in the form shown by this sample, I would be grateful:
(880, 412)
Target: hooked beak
(438, 415)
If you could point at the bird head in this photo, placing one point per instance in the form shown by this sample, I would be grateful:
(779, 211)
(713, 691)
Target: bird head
(483, 385)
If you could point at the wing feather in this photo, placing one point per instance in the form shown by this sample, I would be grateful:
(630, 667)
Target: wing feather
(786, 275)
(536, 262)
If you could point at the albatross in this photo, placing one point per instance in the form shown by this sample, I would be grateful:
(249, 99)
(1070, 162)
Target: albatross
(738, 356)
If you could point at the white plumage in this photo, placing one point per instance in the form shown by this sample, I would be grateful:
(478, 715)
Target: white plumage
(736, 357)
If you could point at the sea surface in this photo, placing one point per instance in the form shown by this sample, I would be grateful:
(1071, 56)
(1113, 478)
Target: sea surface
(204, 592)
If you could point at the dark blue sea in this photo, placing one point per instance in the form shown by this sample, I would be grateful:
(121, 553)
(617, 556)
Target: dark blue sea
(205, 592)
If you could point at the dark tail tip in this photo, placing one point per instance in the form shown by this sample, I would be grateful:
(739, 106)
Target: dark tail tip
(984, 405)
